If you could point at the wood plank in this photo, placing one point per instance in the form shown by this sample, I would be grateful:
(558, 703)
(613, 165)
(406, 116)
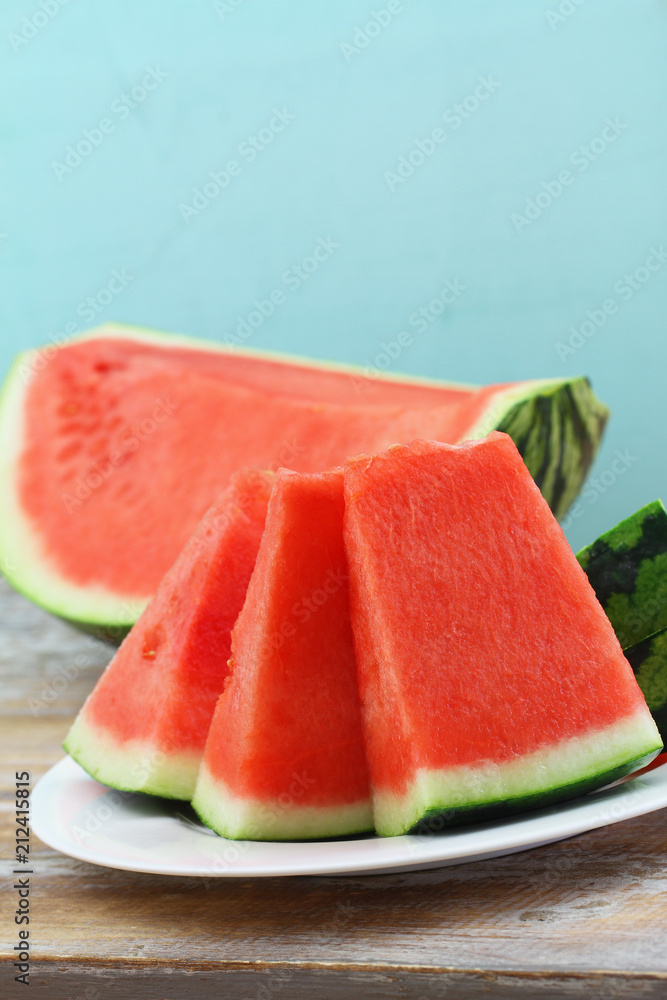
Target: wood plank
(300, 981)
(594, 903)
(46, 666)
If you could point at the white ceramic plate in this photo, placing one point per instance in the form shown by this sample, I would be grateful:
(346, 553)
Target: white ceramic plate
(76, 815)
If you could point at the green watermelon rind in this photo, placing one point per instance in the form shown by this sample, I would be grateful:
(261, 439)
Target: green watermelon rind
(648, 660)
(133, 765)
(442, 798)
(627, 568)
(557, 425)
(236, 818)
(437, 818)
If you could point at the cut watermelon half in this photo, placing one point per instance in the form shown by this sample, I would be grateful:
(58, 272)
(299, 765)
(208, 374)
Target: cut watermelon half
(491, 679)
(284, 758)
(144, 725)
(114, 445)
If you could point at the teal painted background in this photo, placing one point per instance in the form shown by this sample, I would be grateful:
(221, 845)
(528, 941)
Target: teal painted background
(115, 113)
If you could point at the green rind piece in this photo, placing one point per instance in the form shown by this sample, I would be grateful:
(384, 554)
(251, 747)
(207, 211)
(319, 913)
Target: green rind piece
(627, 568)
(557, 431)
(648, 659)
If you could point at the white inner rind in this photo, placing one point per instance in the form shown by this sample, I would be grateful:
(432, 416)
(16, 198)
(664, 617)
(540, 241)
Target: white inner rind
(132, 765)
(239, 818)
(543, 771)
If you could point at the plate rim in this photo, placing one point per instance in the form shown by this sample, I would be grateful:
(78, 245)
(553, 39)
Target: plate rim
(637, 796)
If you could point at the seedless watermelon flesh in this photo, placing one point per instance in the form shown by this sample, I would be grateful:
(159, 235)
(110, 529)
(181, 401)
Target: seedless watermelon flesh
(144, 725)
(284, 759)
(114, 445)
(490, 677)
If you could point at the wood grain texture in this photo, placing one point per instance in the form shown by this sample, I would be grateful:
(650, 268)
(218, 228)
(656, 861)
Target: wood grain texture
(582, 918)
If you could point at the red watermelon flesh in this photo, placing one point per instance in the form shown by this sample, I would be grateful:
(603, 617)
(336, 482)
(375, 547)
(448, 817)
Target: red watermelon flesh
(144, 726)
(284, 758)
(143, 411)
(491, 678)
(114, 445)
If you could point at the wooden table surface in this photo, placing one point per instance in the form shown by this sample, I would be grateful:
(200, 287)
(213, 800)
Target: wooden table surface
(583, 918)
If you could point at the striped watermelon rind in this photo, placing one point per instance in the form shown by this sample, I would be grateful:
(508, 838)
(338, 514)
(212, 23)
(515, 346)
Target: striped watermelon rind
(648, 659)
(557, 426)
(627, 568)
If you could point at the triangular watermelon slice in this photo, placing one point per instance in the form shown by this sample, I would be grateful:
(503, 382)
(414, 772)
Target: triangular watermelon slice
(144, 725)
(113, 445)
(490, 676)
(284, 758)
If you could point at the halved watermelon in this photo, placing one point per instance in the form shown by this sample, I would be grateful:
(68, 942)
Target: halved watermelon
(113, 446)
(144, 725)
(627, 568)
(284, 758)
(491, 679)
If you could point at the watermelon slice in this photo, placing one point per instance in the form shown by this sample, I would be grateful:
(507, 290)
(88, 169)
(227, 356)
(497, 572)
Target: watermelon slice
(490, 677)
(648, 659)
(284, 758)
(113, 446)
(144, 726)
(627, 568)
